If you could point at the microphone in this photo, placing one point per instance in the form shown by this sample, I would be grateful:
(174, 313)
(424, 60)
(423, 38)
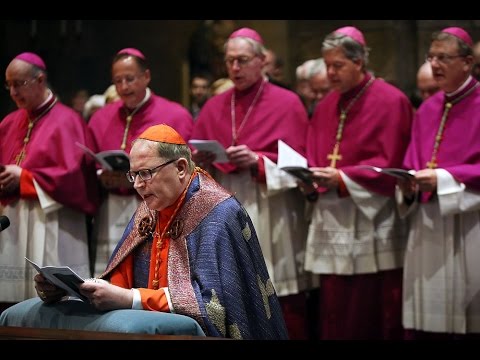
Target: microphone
(4, 222)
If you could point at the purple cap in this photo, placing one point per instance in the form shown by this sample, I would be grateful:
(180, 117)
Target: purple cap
(459, 33)
(133, 52)
(248, 33)
(33, 59)
(352, 32)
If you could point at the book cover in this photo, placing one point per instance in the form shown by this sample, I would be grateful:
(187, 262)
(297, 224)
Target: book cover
(117, 160)
(62, 277)
(395, 172)
(299, 172)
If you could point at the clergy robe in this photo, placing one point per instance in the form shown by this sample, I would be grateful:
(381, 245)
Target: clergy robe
(357, 231)
(215, 272)
(442, 268)
(107, 127)
(48, 222)
(279, 219)
(278, 114)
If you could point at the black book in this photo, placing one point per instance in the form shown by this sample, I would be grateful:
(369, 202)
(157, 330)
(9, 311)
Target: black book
(110, 159)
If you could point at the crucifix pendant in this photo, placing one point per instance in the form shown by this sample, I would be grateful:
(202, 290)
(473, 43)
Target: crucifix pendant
(19, 158)
(335, 156)
(432, 164)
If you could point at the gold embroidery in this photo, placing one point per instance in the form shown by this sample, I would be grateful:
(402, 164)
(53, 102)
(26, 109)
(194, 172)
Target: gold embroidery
(266, 291)
(247, 232)
(216, 313)
(175, 229)
(234, 332)
(145, 228)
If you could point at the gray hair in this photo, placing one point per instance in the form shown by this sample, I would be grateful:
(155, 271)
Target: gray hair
(463, 48)
(352, 49)
(258, 48)
(318, 67)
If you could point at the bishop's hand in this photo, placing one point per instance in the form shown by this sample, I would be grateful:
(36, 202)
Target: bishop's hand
(10, 180)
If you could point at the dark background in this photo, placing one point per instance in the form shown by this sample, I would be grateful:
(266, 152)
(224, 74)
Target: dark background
(78, 53)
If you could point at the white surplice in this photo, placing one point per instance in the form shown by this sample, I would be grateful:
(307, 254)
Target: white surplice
(442, 262)
(358, 234)
(46, 233)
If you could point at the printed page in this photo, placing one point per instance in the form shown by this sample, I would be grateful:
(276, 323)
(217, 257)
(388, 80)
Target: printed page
(292, 162)
(211, 146)
(62, 277)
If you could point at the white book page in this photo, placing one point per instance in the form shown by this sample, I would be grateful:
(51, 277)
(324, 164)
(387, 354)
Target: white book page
(62, 277)
(212, 146)
(288, 157)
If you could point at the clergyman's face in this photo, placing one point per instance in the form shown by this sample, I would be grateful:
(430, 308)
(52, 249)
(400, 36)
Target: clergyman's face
(130, 81)
(25, 89)
(243, 65)
(343, 73)
(449, 68)
(164, 188)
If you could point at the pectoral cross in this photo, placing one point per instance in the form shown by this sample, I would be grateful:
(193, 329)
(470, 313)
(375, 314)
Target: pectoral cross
(432, 164)
(335, 156)
(19, 158)
(125, 133)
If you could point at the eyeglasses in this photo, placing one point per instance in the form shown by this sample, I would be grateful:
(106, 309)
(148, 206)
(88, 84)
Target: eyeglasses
(241, 60)
(146, 174)
(442, 58)
(17, 84)
(129, 79)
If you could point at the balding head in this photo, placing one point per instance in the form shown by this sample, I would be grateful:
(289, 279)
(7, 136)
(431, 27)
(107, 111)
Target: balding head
(426, 84)
(27, 84)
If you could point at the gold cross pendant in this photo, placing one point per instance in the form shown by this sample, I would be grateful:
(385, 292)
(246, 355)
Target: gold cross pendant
(432, 164)
(19, 158)
(335, 156)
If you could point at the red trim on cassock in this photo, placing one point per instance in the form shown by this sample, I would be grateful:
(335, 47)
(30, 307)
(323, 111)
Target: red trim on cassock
(27, 188)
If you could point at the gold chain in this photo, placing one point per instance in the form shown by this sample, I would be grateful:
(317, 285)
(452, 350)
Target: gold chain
(236, 133)
(130, 118)
(21, 156)
(335, 155)
(432, 164)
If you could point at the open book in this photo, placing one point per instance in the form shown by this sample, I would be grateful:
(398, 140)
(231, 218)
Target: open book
(109, 159)
(212, 146)
(395, 172)
(300, 173)
(293, 163)
(62, 277)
